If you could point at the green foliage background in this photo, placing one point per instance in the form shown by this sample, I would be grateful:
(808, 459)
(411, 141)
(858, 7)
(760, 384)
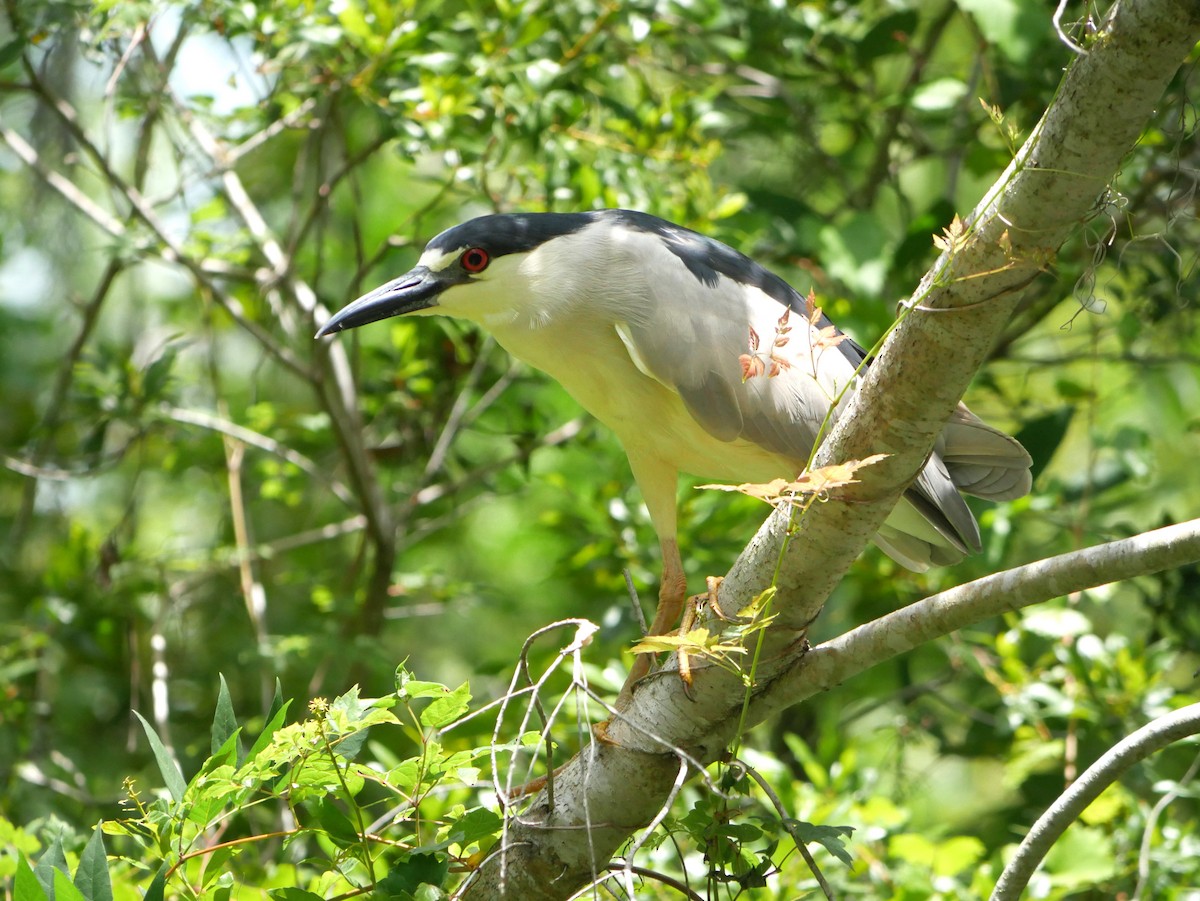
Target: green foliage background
(185, 493)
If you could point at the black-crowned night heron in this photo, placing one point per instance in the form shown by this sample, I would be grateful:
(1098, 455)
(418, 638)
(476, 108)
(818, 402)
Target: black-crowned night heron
(649, 326)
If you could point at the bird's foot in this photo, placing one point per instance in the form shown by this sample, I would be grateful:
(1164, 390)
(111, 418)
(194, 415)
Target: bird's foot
(694, 605)
(713, 584)
(644, 660)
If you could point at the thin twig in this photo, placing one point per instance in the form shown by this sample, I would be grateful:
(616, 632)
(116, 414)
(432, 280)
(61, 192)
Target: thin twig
(654, 875)
(1062, 35)
(458, 410)
(640, 840)
(234, 153)
(1177, 788)
(263, 442)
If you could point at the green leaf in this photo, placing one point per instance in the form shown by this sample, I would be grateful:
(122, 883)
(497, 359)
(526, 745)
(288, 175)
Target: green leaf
(408, 688)
(474, 825)
(321, 776)
(51, 861)
(224, 720)
(91, 877)
(277, 701)
(11, 51)
(226, 755)
(403, 777)
(336, 824)
(419, 869)
(172, 776)
(215, 868)
(64, 888)
(446, 709)
(349, 746)
(158, 884)
(294, 894)
(350, 704)
(275, 720)
(741, 832)
(27, 886)
(828, 836)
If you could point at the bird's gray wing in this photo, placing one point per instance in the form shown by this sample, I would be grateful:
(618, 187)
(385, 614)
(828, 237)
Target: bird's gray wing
(743, 368)
(774, 386)
(746, 371)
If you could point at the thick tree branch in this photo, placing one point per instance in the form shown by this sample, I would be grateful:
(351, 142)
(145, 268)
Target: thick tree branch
(934, 617)
(954, 317)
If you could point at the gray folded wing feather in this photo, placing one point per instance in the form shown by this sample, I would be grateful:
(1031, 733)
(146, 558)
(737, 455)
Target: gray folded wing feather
(698, 357)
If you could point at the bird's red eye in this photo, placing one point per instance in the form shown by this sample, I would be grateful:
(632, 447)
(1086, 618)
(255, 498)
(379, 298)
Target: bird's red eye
(475, 260)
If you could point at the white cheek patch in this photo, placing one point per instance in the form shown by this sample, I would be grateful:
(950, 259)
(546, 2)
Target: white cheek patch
(437, 260)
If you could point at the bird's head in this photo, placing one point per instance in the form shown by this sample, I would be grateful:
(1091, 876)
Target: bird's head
(489, 270)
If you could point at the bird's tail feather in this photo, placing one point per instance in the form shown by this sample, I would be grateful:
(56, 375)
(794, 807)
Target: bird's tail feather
(932, 525)
(916, 539)
(983, 461)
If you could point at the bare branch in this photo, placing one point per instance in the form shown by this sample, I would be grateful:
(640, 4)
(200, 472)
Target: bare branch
(336, 389)
(1152, 737)
(262, 442)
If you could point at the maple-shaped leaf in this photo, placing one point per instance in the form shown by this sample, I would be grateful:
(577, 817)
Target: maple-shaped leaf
(835, 475)
(828, 337)
(752, 365)
(782, 328)
(766, 491)
(810, 305)
(953, 236)
(698, 642)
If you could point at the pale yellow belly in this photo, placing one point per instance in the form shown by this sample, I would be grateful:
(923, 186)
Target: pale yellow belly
(647, 416)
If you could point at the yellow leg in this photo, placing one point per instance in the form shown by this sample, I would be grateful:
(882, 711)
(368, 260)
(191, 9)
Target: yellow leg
(672, 594)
